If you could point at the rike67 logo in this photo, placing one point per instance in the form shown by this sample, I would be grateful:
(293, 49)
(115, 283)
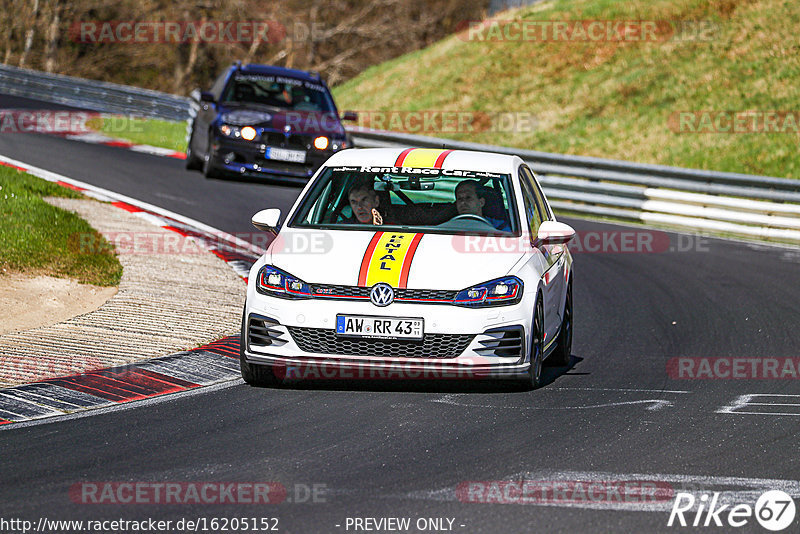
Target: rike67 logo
(774, 510)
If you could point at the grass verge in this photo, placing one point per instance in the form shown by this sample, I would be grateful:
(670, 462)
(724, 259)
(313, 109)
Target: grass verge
(38, 238)
(614, 99)
(154, 132)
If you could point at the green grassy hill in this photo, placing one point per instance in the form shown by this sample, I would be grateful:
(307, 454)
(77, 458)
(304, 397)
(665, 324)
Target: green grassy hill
(616, 99)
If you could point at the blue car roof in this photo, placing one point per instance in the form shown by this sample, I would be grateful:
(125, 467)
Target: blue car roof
(279, 71)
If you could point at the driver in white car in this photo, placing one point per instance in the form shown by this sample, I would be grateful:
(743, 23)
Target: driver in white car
(469, 202)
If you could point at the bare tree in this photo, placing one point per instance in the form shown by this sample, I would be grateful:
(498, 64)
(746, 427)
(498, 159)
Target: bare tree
(338, 38)
(52, 36)
(29, 34)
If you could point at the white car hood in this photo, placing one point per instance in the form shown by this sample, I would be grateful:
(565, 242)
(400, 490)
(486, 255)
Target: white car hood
(439, 261)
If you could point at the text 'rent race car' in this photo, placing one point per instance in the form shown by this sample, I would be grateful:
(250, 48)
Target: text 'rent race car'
(260, 120)
(416, 263)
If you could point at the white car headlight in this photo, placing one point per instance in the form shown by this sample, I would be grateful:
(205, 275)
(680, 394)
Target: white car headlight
(275, 282)
(498, 292)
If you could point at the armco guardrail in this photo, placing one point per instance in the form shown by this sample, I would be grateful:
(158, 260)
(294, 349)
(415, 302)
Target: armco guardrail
(92, 94)
(762, 207)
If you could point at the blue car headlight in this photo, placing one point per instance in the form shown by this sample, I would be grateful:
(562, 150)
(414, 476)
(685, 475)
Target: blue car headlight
(229, 130)
(498, 292)
(275, 282)
(248, 133)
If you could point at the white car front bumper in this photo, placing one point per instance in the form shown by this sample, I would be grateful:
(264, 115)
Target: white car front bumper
(299, 337)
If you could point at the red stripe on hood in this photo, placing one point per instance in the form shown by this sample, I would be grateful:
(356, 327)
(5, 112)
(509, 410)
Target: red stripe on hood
(362, 273)
(412, 249)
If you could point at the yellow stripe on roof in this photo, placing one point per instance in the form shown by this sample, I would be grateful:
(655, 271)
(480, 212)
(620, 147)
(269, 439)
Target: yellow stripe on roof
(422, 157)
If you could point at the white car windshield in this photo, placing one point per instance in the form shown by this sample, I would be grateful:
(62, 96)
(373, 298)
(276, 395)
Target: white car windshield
(419, 199)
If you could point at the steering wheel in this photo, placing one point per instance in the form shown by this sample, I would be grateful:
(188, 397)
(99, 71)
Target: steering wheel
(471, 216)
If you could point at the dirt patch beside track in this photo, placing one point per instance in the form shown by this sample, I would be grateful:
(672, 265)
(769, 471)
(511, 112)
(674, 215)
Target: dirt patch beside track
(32, 301)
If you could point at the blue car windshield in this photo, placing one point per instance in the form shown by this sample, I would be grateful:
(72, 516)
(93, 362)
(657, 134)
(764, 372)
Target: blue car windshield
(278, 92)
(419, 199)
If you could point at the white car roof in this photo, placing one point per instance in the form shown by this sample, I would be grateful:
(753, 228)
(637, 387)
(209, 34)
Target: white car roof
(452, 159)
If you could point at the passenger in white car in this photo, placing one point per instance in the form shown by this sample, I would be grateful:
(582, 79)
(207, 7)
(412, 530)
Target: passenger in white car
(364, 201)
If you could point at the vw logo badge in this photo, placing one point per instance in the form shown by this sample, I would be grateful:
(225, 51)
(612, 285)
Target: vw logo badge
(381, 294)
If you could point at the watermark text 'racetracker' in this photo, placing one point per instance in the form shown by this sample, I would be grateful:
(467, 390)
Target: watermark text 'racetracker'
(589, 30)
(733, 368)
(206, 493)
(564, 491)
(176, 32)
(751, 121)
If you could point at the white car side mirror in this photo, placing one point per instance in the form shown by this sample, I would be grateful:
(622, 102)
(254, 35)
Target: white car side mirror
(267, 220)
(554, 233)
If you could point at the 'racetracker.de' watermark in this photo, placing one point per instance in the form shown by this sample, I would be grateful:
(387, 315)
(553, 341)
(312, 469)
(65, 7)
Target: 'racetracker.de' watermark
(63, 122)
(175, 243)
(589, 30)
(447, 121)
(735, 122)
(564, 491)
(733, 368)
(591, 241)
(175, 32)
(392, 369)
(196, 31)
(45, 121)
(205, 493)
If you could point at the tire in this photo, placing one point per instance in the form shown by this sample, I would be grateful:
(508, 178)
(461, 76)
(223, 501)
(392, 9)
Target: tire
(536, 351)
(253, 374)
(193, 163)
(561, 355)
(208, 162)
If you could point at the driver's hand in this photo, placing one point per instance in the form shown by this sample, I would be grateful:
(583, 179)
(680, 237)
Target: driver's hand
(376, 217)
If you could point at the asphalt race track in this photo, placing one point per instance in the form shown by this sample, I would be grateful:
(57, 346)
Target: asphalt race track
(379, 450)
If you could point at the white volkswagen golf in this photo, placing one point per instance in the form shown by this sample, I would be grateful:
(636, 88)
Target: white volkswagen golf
(415, 263)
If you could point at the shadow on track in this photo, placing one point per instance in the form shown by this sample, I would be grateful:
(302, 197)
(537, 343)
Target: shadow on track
(444, 385)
